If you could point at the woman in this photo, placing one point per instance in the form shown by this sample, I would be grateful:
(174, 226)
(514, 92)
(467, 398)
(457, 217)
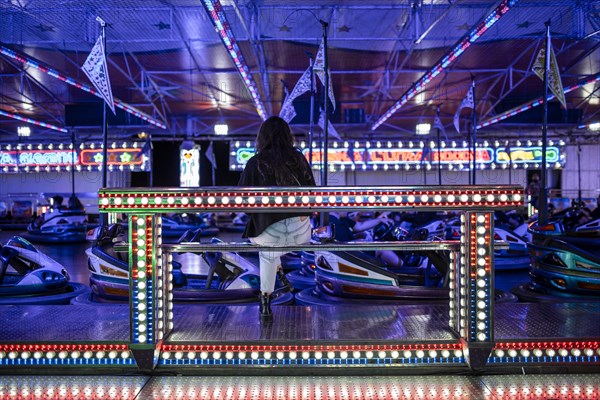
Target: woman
(276, 163)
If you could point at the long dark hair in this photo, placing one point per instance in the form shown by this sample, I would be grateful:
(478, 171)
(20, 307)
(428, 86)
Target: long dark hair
(275, 149)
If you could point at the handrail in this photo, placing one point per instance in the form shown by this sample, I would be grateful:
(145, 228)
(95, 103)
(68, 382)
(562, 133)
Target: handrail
(197, 247)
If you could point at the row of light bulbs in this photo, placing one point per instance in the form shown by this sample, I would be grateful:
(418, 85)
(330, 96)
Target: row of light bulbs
(68, 146)
(421, 144)
(306, 200)
(308, 355)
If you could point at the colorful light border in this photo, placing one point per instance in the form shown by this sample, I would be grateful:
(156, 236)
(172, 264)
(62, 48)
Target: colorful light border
(470, 37)
(338, 198)
(378, 156)
(138, 160)
(47, 69)
(312, 355)
(65, 354)
(546, 352)
(534, 103)
(215, 11)
(33, 121)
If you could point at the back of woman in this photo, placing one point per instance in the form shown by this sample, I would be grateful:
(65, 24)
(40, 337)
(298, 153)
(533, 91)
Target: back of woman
(276, 163)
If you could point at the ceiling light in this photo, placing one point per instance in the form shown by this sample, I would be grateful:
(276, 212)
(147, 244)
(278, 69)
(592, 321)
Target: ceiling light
(423, 129)
(221, 129)
(24, 131)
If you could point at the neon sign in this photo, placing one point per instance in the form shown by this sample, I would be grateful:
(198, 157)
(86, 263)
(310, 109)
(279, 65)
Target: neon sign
(30, 160)
(34, 158)
(522, 155)
(374, 158)
(117, 157)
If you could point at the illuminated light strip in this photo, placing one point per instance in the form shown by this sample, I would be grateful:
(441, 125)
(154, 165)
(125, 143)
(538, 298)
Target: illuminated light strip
(453, 292)
(534, 103)
(546, 352)
(480, 226)
(33, 121)
(156, 201)
(462, 280)
(219, 20)
(65, 354)
(141, 265)
(27, 60)
(463, 44)
(311, 355)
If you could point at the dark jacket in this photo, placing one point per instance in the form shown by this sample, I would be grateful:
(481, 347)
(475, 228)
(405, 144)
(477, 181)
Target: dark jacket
(252, 177)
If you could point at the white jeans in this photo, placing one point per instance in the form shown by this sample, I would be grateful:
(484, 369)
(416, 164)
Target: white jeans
(287, 232)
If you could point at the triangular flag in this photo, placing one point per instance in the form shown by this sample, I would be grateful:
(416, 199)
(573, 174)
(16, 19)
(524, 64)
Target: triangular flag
(146, 148)
(330, 129)
(319, 69)
(437, 124)
(288, 111)
(425, 153)
(302, 86)
(466, 103)
(350, 153)
(554, 81)
(210, 155)
(96, 70)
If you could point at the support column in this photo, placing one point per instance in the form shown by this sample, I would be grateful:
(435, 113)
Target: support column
(145, 271)
(477, 285)
(454, 277)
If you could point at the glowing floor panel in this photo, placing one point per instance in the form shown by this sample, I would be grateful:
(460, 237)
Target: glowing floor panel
(438, 387)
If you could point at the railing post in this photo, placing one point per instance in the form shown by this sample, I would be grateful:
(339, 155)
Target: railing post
(145, 280)
(477, 287)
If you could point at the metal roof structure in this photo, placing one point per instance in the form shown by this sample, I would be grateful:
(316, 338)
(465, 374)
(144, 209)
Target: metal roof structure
(167, 61)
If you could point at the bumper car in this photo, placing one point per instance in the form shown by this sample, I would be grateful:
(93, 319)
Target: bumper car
(235, 222)
(29, 277)
(516, 256)
(176, 225)
(303, 277)
(356, 278)
(565, 266)
(226, 277)
(58, 226)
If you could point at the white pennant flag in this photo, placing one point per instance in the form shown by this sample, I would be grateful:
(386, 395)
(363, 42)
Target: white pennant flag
(96, 69)
(319, 68)
(302, 86)
(330, 129)
(466, 103)
(210, 155)
(554, 81)
(288, 111)
(437, 124)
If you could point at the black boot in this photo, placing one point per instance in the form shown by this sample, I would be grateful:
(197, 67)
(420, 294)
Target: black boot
(287, 286)
(265, 312)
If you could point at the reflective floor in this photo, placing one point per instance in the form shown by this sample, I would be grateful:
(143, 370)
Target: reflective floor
(219, 323)
(572, 387)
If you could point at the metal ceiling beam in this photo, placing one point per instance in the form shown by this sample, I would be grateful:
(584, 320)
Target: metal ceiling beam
(25, 59)
(471, 37)
(40, 85)
(534, 103)
(217, 16)
(258, 50)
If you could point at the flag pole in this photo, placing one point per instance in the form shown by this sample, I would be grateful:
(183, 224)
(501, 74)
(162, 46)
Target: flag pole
(543, 199)
(324, 165)
(311, 126)
(73, 162)
(474, 134)
(439, 150)
(325, 94)
(104, 216)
